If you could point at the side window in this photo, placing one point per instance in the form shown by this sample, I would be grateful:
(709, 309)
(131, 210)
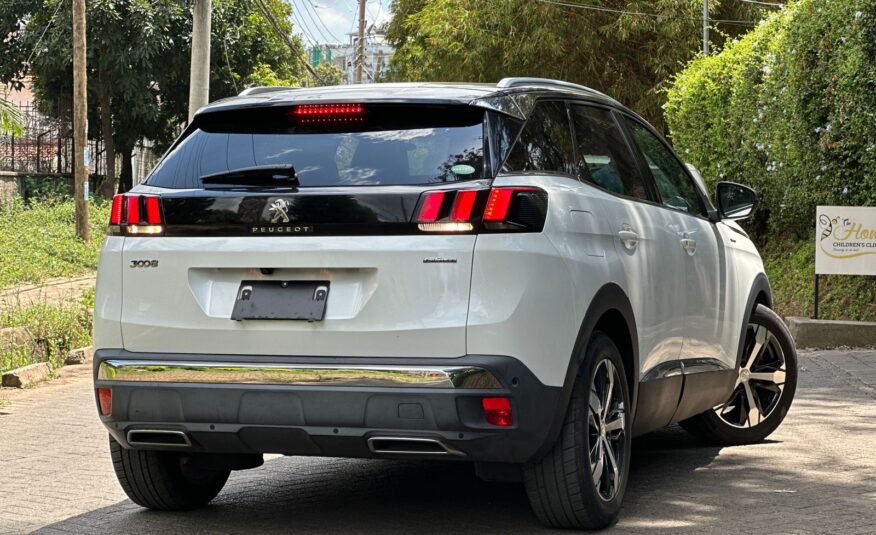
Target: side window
(676, 187)
(604, 157)
(545, 144)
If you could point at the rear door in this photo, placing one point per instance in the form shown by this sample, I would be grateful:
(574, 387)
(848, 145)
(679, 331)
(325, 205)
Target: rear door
(346, 219)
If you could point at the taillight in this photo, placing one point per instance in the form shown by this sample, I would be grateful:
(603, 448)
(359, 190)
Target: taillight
(136, 215)
(502, 209)
(497, 411)
(105, 401)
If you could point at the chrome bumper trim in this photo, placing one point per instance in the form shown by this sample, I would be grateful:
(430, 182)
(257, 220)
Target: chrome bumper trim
(296, 374)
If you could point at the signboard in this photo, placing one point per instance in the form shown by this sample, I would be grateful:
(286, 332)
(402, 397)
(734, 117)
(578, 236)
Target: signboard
(845, 240)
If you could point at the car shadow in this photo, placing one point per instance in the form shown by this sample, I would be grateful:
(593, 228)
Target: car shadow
(310, 495)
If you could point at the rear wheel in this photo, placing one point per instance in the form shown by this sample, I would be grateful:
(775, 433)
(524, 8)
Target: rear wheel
(165, 480)
(581, 482)
(764, 388)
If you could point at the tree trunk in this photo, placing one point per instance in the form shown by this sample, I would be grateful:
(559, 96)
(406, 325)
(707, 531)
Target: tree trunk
(126, 177)
(106, 127)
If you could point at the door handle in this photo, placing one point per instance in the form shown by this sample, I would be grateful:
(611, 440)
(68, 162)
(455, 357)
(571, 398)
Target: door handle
(629, 238)
(689, 245)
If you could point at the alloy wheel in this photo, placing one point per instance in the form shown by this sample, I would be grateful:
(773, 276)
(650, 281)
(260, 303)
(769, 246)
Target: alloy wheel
(606, 427)
(760, 382)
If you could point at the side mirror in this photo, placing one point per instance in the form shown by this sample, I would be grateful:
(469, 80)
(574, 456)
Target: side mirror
(735, 201)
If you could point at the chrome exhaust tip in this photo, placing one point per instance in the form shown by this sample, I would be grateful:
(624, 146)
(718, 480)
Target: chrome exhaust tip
(158, 438)
(411, 446)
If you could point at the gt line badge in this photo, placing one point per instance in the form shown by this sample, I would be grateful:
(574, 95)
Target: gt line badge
(279, 211)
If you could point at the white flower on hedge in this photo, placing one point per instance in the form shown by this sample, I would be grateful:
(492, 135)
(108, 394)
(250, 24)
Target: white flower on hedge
(858, 14)
(845, 190)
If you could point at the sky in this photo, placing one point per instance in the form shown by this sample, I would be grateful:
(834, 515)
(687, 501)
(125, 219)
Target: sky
(324, 21)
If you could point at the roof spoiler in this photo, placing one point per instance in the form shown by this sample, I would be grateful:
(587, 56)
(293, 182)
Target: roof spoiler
(258, 90)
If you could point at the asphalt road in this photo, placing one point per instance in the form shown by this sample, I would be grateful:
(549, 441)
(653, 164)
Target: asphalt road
(816, 474)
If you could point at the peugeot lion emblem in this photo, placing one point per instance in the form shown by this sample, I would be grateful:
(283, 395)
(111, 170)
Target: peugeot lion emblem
(279, 211)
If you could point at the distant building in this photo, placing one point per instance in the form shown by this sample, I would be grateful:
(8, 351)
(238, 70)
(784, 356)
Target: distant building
(343, 56)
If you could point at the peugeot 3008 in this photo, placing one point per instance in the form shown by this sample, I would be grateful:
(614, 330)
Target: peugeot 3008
(521, 275)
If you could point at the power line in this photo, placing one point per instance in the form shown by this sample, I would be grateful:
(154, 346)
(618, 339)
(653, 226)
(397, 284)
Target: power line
(43, 34)
(771, 4)
(321, 23)
(279, 31)
(303, 29)
(643, 14)
(313, 25)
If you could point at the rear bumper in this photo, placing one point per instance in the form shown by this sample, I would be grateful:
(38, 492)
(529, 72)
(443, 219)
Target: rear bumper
(336, 407)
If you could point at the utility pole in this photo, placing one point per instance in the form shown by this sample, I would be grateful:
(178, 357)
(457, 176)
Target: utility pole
(80, 114)
(199, 78)
(705, 27)
(360, 46)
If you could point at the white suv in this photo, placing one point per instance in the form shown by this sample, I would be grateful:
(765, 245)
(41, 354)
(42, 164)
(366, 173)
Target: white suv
(522, 275)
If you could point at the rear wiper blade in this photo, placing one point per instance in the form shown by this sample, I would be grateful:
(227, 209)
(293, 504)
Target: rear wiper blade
(259, 175)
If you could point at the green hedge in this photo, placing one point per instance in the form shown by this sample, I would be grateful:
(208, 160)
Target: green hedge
(790, 109)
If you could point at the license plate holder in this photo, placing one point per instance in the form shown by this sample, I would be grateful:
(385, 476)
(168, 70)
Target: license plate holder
(281, 300)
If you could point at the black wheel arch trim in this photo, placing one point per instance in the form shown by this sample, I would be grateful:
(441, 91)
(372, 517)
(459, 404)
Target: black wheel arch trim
(609, 298)
(760, 294)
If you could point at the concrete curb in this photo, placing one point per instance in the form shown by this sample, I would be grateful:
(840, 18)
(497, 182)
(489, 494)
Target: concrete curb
(826, 334)
(27, 375)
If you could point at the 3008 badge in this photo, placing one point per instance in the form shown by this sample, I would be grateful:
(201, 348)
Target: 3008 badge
(144, 264)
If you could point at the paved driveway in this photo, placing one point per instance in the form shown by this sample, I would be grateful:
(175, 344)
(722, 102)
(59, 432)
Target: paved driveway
(817, 474)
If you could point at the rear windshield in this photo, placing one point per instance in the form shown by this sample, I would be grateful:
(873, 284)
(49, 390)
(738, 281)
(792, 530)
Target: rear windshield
(344, 145)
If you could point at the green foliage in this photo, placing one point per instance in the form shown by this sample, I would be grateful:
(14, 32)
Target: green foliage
(11, 120)
(139, 51)
(38, 242)
(790, 264)
(628, 56)
(56, 328)
(329, 74)
(788, 109)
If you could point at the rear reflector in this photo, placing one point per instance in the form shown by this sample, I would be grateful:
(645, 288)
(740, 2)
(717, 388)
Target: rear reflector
(497, 411)
(105, 400)
(127, 215)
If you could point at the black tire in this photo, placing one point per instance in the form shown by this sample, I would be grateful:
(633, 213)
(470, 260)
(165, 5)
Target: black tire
(162, 480)
(713, 428)
(560, 486)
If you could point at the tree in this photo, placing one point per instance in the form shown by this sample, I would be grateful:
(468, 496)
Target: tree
(138, 54)
(628, 55)
(329, 74)
(11, 120)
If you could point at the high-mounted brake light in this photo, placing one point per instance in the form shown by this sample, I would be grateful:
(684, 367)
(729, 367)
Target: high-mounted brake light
(328, 113)
(136, 215)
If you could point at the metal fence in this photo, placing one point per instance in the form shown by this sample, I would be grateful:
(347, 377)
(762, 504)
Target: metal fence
(46, 146)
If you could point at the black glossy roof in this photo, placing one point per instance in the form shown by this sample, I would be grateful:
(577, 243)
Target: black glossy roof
(487, 95)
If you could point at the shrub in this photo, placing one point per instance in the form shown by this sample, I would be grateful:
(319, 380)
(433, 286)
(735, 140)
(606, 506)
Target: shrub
(57, 328)
(789, 109)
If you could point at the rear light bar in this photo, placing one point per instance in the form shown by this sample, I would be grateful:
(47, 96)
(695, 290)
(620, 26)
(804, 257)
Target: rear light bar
(136, 215)
(327, 113)
(504, 209)
(105, 401)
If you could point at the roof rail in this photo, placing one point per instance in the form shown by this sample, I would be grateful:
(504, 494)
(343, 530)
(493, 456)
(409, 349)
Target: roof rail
(506, 83)
(258, 90)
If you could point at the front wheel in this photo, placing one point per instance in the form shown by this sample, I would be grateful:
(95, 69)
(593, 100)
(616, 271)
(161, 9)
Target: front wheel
(165, 480)
(581, 482)
(764, 387)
